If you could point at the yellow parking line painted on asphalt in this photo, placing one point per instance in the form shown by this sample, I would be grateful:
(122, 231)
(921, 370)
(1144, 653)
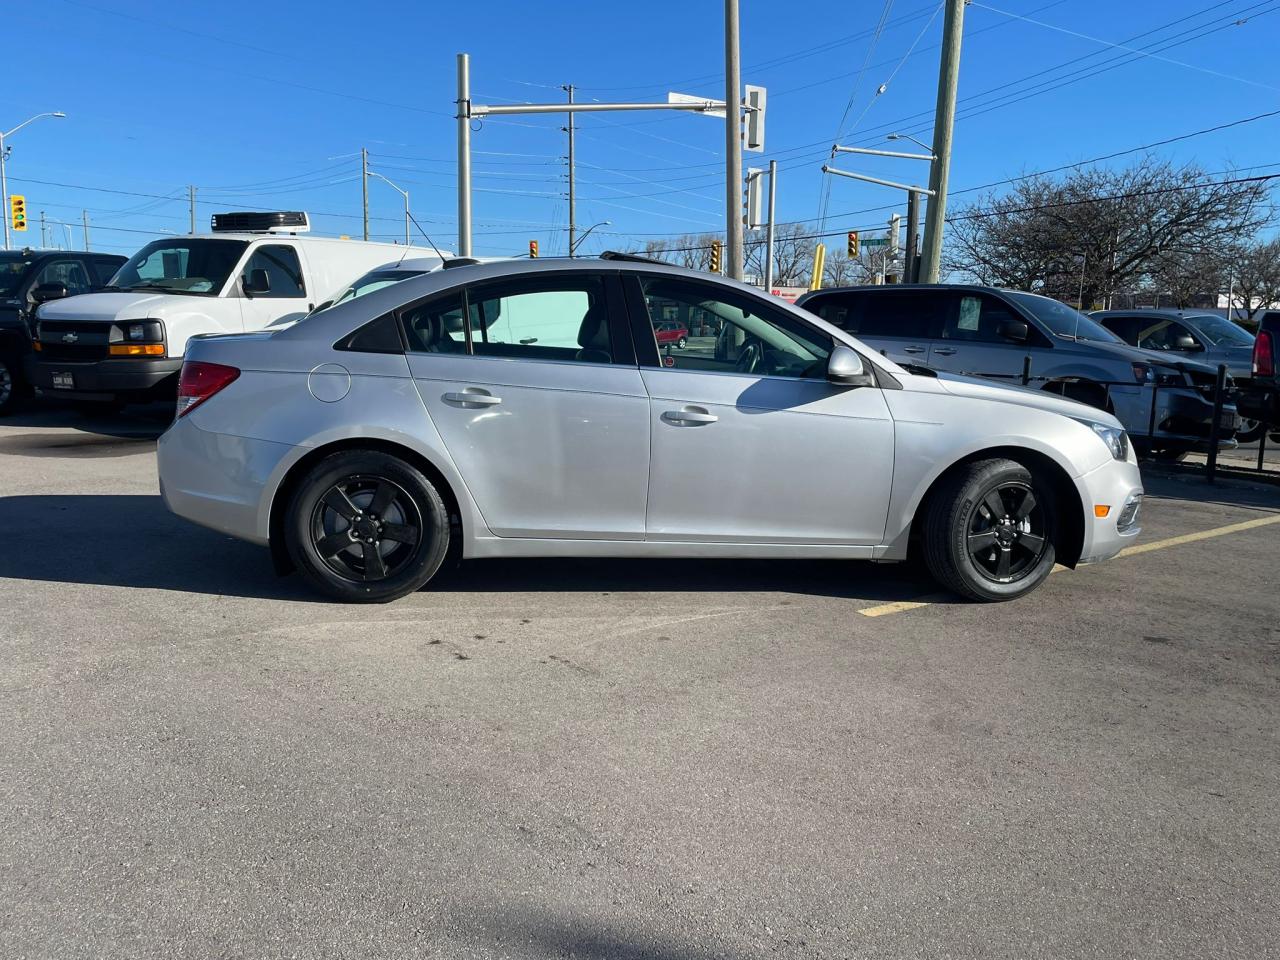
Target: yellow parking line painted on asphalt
(901, 606)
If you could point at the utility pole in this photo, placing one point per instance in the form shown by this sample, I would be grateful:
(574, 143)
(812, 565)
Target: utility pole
(191, 202)
(364, 188)
(464, 155)
(943, 122)
(768, 230)
(84, 218)
(44, 241)
(573, 209)
(911, 262)
(732, 140)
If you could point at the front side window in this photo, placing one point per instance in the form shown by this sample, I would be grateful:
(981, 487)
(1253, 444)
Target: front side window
(730, 333)
(197, 266)
(1157, 333)
(284, 272)
(978, 318)
(70, 273)
(12, 269)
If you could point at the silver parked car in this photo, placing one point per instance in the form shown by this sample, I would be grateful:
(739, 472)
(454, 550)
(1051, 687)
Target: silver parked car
(524, 409)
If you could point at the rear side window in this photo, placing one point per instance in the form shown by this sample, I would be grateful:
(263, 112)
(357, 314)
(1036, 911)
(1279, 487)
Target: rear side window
(911, 314)
(283, 271)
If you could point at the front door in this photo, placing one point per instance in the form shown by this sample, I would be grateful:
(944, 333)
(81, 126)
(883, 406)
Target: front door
(285, 297)
(751, 443)
(538, 400)
(973, 343)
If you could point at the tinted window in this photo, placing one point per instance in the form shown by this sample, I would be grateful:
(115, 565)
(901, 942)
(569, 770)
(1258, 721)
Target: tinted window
(1062, 321)
(1126, 328)
(730, 332)
(978, 317)
(70, 273)
(284, 272)
(199, 266)
(913, 314)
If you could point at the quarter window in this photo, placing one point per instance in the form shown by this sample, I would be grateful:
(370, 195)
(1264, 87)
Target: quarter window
(283, 271)
(730, 333)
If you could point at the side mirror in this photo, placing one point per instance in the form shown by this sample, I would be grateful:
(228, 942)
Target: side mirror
(845, 368)
(1185, 341)
(258, 281)
(320, 306)
(48, 291)
(1014, 330)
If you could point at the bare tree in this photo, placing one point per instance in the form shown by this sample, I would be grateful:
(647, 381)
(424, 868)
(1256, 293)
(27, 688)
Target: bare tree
(1256, 270)
(1097, 231)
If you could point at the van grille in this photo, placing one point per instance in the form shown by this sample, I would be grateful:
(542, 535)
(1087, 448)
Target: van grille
(74, 342)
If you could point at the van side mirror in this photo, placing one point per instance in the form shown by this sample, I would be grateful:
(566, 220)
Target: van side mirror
(258, 281)
(1014, 330)
(48, 291)
(845, 368)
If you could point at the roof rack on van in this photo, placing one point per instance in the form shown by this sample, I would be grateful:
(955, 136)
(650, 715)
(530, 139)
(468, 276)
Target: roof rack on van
(247, 221)
(631, 258)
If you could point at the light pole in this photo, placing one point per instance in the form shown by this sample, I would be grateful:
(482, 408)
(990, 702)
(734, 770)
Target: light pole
(403, 193)
(575, 244)
(4, 184)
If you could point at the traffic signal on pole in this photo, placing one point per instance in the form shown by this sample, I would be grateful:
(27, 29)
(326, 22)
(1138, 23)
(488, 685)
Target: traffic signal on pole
(18, 211)
(533, 248)
(853, 243)
(715, 256)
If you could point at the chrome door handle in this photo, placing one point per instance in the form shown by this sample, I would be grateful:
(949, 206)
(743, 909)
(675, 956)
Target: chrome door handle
(913, 349)
(945, 351)
(689, 417)
(473, 397)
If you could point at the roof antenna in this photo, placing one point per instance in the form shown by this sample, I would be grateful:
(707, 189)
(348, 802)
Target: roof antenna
(424, 233)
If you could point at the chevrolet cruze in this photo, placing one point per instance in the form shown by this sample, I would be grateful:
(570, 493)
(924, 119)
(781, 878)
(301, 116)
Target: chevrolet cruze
(526, 409)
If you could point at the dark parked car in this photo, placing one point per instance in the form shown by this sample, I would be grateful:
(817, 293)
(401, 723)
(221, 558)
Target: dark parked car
(1006, 334)
(1193, 335)
(1260, 399)
(29, 278)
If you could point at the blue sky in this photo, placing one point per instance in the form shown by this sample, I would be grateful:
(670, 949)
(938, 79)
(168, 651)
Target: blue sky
(268, 104)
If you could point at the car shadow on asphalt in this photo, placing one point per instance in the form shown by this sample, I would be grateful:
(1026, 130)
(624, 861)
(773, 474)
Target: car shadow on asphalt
(135, 422)
(133, 541)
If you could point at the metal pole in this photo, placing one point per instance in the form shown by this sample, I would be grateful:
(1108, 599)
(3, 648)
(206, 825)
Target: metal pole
(1219, 386)
(464, 155)
(44, 242)
(943, 122)
(768, 231)
(191, 204)
(912, 264)
(573, 209)
(84, 217)
(406, 219)
(364, 188)
(732, 141)
(4, 194)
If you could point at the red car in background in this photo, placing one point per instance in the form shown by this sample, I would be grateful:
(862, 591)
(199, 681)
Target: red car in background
(671, 332)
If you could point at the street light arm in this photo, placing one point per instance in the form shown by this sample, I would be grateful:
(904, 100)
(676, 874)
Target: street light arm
(403, 193)
(39, 116)
(585, 233)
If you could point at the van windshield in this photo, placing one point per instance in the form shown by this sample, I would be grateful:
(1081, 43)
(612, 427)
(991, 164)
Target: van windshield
(197, 266)
(1063, 321)
(13, 267)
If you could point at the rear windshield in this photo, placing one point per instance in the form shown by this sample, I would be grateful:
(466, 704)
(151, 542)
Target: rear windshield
(1063, 321)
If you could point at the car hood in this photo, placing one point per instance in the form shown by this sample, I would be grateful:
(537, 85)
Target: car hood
(1137, 354)
(114, 306)
(982, 389)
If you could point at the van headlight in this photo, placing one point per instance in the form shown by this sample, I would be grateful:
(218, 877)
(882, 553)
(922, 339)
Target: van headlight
(1115, 438)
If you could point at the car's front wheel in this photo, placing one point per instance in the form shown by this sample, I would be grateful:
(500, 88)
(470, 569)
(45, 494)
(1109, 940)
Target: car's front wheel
(1249, 430)
(989, 531)
(367, 527)
(682, 342)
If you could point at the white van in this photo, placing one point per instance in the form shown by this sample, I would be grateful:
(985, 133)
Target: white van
(254, 270)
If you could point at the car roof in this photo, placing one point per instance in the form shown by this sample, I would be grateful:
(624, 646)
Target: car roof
(904, 287)
(28, 253)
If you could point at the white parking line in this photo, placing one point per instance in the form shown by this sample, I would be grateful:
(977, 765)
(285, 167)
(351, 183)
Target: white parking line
(901, 606)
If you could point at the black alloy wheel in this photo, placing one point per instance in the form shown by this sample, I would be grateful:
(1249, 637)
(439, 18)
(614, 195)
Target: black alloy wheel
(1006, 532)
(365, 528)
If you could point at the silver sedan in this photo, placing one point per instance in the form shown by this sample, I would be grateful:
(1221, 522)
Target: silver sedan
(526, 409)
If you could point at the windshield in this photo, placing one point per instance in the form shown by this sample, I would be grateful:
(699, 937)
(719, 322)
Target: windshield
(374, 280)
(12, 269)
(1064, 321)
(197, 266)
(1220, 331)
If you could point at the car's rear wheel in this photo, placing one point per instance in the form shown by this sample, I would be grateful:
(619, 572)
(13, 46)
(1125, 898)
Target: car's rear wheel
(682, 342)
(367, 527)
(989, 531)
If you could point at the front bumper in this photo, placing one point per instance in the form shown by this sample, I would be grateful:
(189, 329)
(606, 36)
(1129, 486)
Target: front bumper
(1183, 417)
(105, 379)
(1118, 485)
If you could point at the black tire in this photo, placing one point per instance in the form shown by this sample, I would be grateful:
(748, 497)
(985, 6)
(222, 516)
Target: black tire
(966, 545)
(9, 384)
(368, 563)
(1250, 430)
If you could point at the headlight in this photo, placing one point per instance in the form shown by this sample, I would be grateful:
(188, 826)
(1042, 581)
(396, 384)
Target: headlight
(1143, 373)
(1115, 438)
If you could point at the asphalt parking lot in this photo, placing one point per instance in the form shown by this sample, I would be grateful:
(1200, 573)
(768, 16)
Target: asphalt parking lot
(624, 759)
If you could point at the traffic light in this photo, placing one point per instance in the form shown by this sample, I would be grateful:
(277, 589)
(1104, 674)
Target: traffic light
(715, 256)
(17, 211)
(533, 249)
(853, 244)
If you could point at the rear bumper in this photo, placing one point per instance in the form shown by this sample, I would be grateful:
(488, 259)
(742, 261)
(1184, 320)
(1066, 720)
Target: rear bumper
(102, 379)
(1118, 486)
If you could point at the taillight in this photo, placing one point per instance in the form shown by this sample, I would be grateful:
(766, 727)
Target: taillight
(1264, 355)
(199, 381)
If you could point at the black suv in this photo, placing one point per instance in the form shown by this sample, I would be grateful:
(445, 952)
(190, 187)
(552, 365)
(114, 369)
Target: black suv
(27, 279)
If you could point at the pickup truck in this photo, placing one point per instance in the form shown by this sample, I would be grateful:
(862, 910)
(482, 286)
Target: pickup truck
(254, 270)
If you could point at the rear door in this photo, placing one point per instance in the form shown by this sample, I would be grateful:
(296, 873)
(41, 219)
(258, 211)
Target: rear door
(539, 402)
(901, 324)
